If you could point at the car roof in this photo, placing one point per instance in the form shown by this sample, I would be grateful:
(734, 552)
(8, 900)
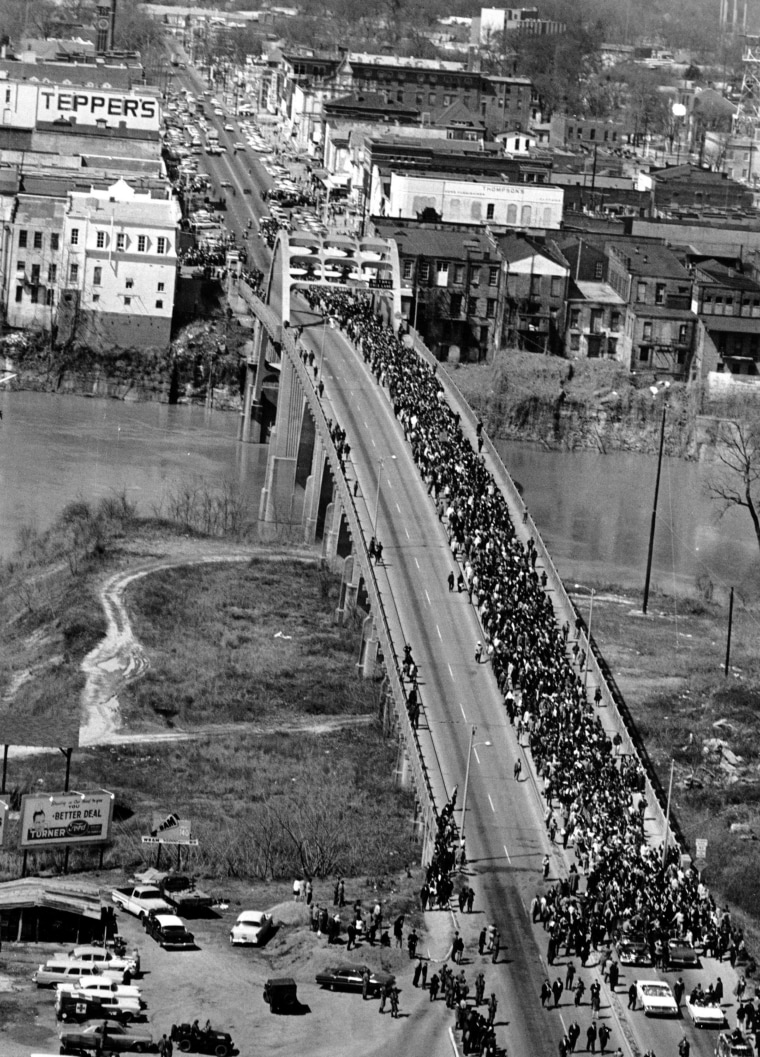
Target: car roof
(169, 919)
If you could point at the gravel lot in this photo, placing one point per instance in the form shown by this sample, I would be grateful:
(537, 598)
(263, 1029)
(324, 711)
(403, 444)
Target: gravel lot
(225, 984)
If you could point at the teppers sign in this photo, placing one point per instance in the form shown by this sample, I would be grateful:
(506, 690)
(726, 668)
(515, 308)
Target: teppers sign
(66, 818)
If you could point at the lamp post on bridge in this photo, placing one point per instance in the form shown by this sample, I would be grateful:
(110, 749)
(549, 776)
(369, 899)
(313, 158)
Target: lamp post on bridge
(473, 745)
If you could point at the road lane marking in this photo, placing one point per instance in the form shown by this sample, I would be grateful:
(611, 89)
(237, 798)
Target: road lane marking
(475, 751)
(428, 597)
(416, 563)
(440, 636)
(451, 673)
(490, 801)
(406, 530)
(373, 443)
(397, 506)
(507, 854)
(463, 711)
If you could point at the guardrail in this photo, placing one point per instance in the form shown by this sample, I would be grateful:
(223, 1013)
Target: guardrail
(618, 715)
(420, 775)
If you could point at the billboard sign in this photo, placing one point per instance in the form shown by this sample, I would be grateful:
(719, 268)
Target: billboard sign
(88, 106)
(170, 829)
(66, 818)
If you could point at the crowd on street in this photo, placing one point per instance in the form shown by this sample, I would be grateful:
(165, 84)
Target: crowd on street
(595, 808)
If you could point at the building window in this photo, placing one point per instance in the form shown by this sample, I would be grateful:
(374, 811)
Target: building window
(121, 242)
(97, 275)
(48, 297)
(659, 293)
(127, 302)
(446, 99)
(19, 293)
(493, 275)
(575, 342)
(75, 236)
(575, 318)
(100, 240)
(20, 266)
(22, 240)
(598, 270)
(52, 273)
(424, 271)
(644, 354)
(161, 288)
(35, 274)
(38, 240)
(641, 291)
(159, 304)
(455, 305)
(615, 322)
(55, 241)
(646, 333)
(458, 273)
(475, 276)
(431, 98)
(683, 334)
(161, 245)
(408, 269)
(490, 210)
(491, 307)
(73, 273)
(142, 243)
(472, 306)
(441, 273)
(129, 284)
(95, 297)
(556, 286)
(34, 295)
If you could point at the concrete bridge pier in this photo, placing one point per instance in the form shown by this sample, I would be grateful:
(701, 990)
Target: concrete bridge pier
(278, 493)
(313, 491)
(370, 647)
(251, 415)
(403, 770)
(333, 521)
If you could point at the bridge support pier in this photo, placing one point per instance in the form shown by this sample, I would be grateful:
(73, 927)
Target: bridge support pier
(313, 491)
(333, 519)
(403, 771)
(250, 417)
(368, 652)
(278, 493)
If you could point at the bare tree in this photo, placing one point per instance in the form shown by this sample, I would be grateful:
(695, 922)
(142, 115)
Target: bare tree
(736, 482)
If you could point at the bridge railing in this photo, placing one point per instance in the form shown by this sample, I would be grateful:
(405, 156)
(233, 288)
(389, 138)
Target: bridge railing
(420, 774)
(618, 716)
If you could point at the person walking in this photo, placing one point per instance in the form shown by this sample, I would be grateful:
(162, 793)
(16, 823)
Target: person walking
(496, 947)
(384, 992)
(545, 867)
(580, 990)
(557, 990)
(678, 989)
(493, 1003)
(591, 1034)
(482, 941)
(632, 996)
(394, 1002)
(434, 985)
(570, 976)
(518, 770)
(546, 993)
(604, 1037)
(417, 973)
(684, 1048)
(452, 581)
(478, 652)
(573, 1034)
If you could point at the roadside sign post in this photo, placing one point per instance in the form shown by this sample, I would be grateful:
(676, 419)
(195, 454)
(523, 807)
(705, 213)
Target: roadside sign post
(700, 857)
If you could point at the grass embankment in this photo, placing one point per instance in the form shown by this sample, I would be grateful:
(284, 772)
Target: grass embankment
(669, 667)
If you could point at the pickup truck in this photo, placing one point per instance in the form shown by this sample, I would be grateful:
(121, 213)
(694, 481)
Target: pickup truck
(181, 893)
(139, 900)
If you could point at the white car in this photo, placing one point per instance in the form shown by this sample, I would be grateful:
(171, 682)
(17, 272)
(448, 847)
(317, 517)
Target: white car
(104, 958)
(656, 998)
(229, 128)
(705, 1014)
(252, 927)
(98, 986)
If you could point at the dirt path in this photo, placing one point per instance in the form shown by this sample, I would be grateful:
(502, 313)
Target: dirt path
(119, 657)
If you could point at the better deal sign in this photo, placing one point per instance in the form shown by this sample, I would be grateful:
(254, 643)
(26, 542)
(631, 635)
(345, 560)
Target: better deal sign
(65, 818)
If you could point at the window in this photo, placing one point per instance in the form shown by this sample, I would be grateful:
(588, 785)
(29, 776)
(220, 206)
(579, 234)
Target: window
(475, 276)
(127, 302)
(34, 295)
(431, 98)
(575, 342)
(55, 241)
(659, 293)
(646, 334)
(493, 275)
(442, 273)
(424, 271)
(472, 306)
(35, 275)
(447, 99)
(22, 240)
(644, 354)
(456, 304)
(97, 275)
(52, 273)
(161, 245)
(19, 293)
(458, 273)
(575, 318)
(407, 269)
(73, 273)
(129, 284)
(161, 288)
(75, 236)
(599, 270)
(100, 240)
(38, 240)
(512, 214)
(121, 242)
(159, 304)
(20, 266)
(615, 322)
(535, 285)
(490, 210)
(641, 291)
(142, 243)
(491, 307)
(556, 286)
(96, 297)
(48, 297)
(683, 334)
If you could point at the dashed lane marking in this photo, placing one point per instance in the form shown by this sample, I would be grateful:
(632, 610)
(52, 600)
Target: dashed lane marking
(440, 636)
(490, 801)
(507, 854)
(464, 714)
(428, 598)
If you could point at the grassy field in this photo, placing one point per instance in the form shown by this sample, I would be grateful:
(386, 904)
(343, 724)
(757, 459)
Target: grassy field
(669, 666)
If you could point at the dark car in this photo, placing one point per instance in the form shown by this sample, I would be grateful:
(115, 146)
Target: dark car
(281, 994)
(634, 950)
(681, 954)
(106, 1037)
(189, 1038)
(733, 1044)
(169, 932)
(350, 978)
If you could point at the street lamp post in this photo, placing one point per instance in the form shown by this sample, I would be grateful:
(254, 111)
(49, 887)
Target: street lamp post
(472, 746)
(655, 390)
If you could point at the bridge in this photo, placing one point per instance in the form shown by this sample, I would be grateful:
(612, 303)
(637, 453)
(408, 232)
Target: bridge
(464, 739)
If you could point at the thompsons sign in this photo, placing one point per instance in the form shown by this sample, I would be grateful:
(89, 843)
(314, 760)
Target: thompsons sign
(87, 106)
(65, 818)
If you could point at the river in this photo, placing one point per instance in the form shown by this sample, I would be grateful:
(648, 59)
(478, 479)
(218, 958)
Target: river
(593, 510)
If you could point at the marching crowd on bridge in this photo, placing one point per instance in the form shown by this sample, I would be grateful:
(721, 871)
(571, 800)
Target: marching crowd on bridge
(595, 805)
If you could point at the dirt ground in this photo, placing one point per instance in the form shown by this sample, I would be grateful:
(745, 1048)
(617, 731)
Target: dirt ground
(225, 984)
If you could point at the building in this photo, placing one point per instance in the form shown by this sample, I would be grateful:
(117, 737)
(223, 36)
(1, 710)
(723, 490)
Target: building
(451, 288)
(688, 189)
(596, 316)
(495, 23)
(118, 266)
(30, 272)
(535, 291)
(510, 103)
(728, 335)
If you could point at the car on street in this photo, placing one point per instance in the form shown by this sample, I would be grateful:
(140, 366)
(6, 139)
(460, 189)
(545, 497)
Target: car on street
(733, 1044)
(97, 985)
(350, 978)
(225, 183)
(656, 998)
(66, 971)
(80, 1006)
(704, 1013)
(229, 128)
(681, 954)
(251, 928)
(169, 932)
(104, 958)
(105, 1037)
(218, 111)
(634, 950)
(281, 994)
(238, 146)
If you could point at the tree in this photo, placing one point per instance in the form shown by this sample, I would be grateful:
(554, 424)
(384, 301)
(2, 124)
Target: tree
(736, 482)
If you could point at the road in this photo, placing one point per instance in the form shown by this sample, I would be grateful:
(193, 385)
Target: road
(505, 835)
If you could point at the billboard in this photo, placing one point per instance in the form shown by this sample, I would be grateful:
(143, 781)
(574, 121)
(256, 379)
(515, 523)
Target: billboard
(88, 106)
(170, 829)
(49, 819)
(470, 201)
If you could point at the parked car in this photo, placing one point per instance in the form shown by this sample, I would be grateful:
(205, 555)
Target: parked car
(656, 998)
(169, 932)
(80, 1006)
(191, 1039)
(733, 1044)
(64, 970)
(681, 954)
(252, 927)
(634, 950)
(104, 958)
(183, 894)
(281, 994)
(704, 1013)
(107, 1037)
(96, 985)
(139, 899)
(350, 978)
